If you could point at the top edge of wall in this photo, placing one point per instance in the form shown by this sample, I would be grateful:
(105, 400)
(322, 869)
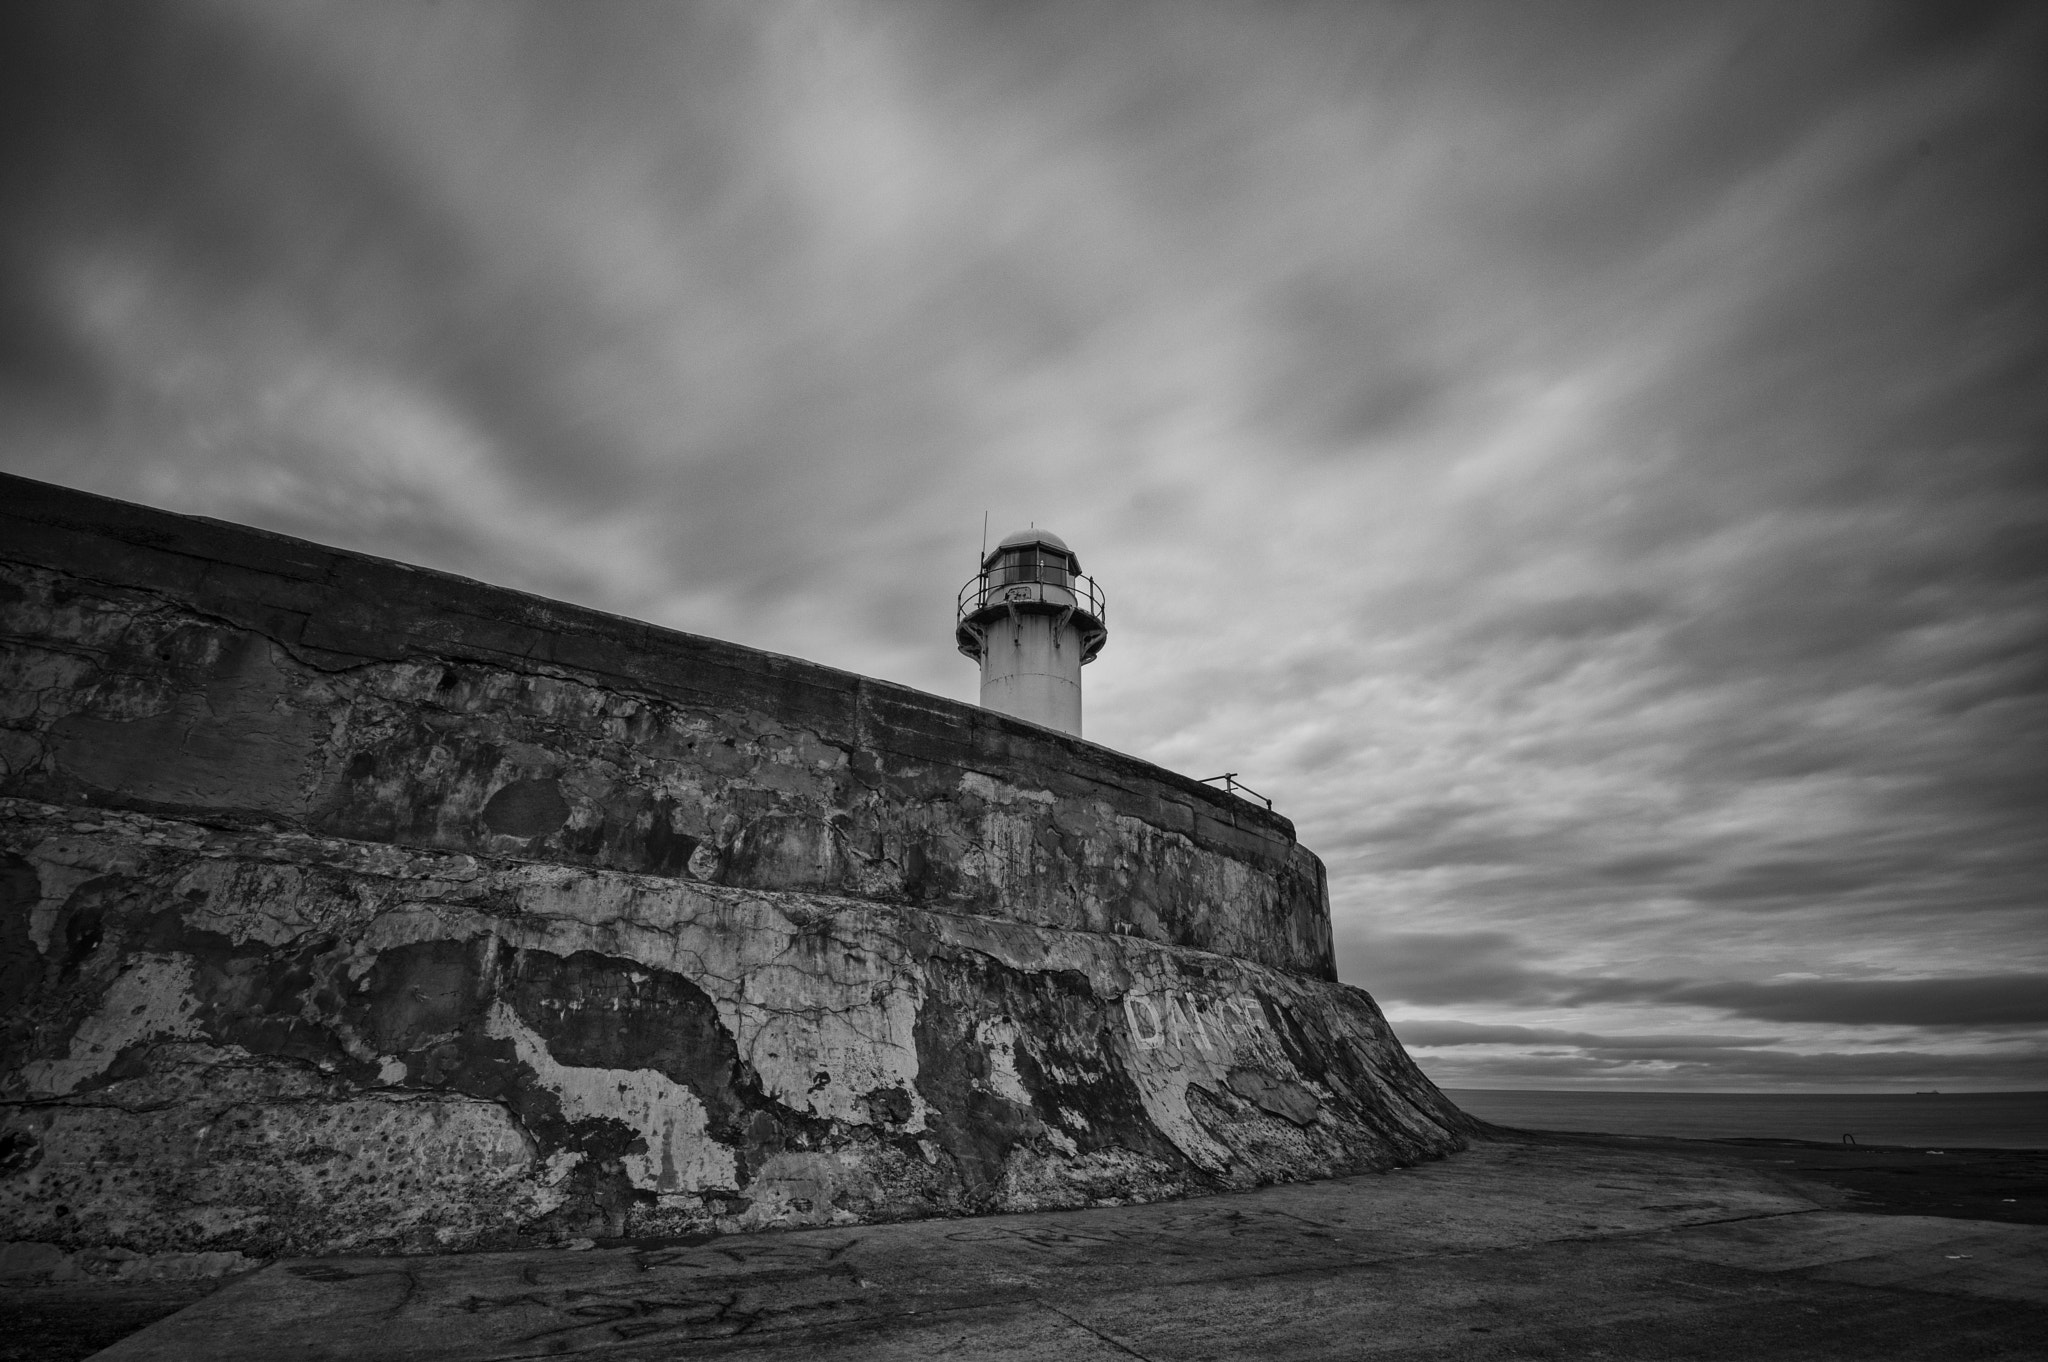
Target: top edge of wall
(360, 606)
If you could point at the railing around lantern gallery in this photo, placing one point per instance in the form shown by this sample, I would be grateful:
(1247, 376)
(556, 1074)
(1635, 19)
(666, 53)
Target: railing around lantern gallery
(1055, 587)
(1242, 791)
(1034, 587)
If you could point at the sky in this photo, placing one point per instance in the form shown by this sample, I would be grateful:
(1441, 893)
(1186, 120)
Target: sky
(1587, 463)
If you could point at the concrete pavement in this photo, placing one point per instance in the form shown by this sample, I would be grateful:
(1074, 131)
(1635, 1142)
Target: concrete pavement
(1515, 1249)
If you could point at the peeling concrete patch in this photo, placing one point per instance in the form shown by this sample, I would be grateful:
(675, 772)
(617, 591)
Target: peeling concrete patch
(152, 997)
(675, 1150)
(236, 741)
(526, 808)
(264, 1177)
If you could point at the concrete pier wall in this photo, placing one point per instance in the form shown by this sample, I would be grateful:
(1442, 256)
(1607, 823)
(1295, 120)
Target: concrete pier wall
(350, 906)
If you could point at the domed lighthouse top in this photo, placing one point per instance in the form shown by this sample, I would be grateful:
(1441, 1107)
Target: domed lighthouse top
(1024, 539)
(1032, 619)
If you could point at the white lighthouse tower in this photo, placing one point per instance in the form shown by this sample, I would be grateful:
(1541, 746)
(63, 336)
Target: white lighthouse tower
(1032, 620)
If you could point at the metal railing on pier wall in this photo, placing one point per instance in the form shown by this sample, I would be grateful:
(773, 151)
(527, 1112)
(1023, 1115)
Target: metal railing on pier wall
(1238, 788)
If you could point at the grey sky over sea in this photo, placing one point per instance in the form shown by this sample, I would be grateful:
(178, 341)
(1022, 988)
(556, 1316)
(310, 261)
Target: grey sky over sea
(1587, 462)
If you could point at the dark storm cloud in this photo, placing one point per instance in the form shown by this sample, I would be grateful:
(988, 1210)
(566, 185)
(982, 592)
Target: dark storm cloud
(1976, 1001)
(1445, 967)
(1584, 460)
(1844, 1068)
(1496, 968)
(1440, 1033)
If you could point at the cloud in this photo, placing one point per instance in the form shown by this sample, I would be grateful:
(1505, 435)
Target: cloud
(1475, 1054)
(1444, 967)
(1743, 1069)
(1499, 968)
(1974, 1001)
(1433, 1034)
(1581, 461)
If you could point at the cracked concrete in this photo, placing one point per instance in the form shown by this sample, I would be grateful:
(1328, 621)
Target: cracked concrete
(1518, 1249)
(681, 1041)
(353, 908)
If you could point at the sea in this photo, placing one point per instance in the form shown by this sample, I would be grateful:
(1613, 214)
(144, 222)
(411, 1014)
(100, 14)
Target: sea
(1963, 1120)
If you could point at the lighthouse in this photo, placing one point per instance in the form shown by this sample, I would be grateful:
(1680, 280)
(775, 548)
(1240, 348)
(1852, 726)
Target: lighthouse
(1032, 620)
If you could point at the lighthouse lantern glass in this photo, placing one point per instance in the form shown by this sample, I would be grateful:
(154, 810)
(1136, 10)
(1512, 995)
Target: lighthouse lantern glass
(1032, 563)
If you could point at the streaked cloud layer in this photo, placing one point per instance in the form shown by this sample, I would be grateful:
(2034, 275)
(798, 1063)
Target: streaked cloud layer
(1589, 463)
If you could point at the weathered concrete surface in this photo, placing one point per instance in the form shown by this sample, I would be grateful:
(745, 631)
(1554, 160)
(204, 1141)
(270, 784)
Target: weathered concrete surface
(192, 669)
(351, 908)
(1512, 1250)
(284, 1044)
